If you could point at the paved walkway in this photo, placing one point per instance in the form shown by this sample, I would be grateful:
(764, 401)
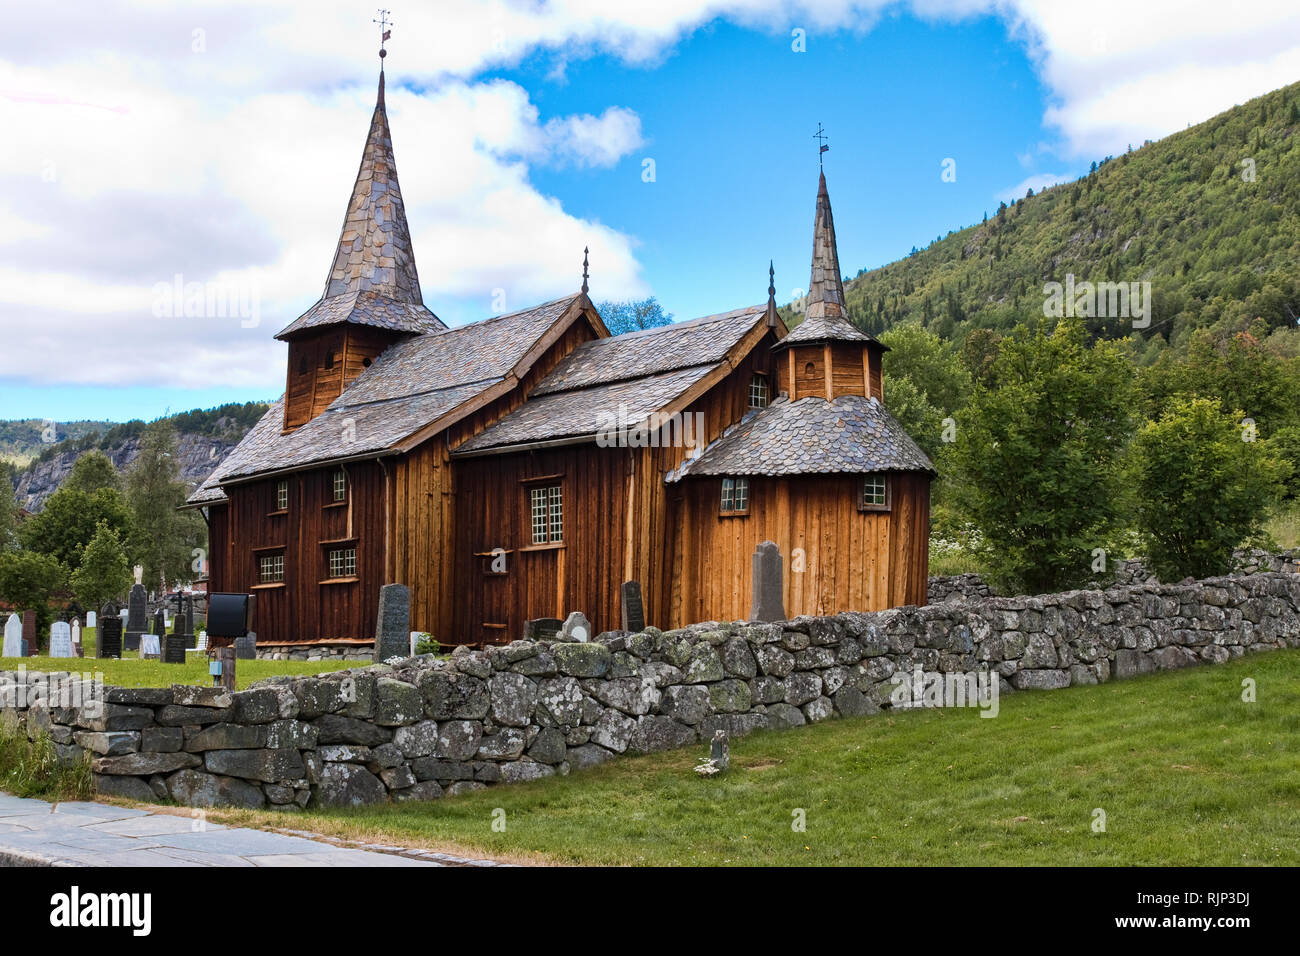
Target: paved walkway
(37, 833)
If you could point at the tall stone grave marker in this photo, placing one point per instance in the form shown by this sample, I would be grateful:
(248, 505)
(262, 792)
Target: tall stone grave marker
(393, 627)
(174, 644)
(31, 646)
(633, 608)
(137, 617)
(13, 646)
(76, 638)
(92, 620)
(769, 603)
(60, 639)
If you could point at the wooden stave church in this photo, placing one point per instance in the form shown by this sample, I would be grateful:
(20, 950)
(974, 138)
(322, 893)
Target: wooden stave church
(404, 451)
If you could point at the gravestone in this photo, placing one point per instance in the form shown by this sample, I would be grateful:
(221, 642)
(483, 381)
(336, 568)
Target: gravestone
(60, 639)
(151, 644)
(189, 614)
(174, 644)
(31, 646)
(13, 646)
(109, 636)
(92, 621)
(76, 639)
(720, 750)
(393, 627)
(633, 607)
(576, 627)
(768, 604)
(542, 628)
(246, 647)
(137, 617)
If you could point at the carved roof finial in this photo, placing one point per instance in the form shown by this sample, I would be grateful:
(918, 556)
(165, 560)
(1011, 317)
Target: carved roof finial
(585, 250)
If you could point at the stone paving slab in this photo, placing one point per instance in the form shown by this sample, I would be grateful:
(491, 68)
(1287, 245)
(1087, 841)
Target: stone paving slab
(38, 833)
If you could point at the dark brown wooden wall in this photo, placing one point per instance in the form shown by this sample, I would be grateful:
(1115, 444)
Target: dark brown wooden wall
(303, 608)
(854, 560)
(323, 363)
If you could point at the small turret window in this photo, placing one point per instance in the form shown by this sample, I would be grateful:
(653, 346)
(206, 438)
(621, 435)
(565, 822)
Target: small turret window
(875, 493)
(758, 391)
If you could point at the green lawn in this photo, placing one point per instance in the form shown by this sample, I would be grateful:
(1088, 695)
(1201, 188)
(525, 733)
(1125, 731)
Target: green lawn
(1186, 772)
(130, 671)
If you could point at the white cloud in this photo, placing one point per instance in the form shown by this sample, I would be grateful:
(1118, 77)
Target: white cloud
(219, 139)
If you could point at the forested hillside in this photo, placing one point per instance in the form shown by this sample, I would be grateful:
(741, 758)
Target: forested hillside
(1210, 216)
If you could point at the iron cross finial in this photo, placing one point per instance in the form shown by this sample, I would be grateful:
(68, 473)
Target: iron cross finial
(384, 31)
(584, 269)
(821, 138)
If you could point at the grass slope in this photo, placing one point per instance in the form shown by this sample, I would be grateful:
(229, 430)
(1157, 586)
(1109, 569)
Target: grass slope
(1186, 772)
(131, 671)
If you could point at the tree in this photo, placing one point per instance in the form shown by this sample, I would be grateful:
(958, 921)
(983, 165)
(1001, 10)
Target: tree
(27, 580)
(8, 510)
(92, 471)
(1201, 488)
(1036, 465)
(930, 362)
(68, 521)
(162, 537)
(632, 316)
(105, 573)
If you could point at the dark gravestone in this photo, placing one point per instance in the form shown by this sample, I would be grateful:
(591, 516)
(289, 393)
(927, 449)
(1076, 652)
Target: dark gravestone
(189, 614)
(137, 617)
(246, 646)
(633, 607)
(174, 644)
(542, 628)
(109, 635)
(31, 647)
(768, 604)
(393, 628)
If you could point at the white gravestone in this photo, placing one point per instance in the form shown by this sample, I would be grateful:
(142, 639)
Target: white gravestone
(92, 619)
(201, 642)
(149, 646)
(60, 639)
(13, 646)
(76, 635)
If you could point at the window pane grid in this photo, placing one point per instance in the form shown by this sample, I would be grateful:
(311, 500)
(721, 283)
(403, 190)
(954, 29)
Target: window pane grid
(758, 391)
(271, 568)
(340, 486)
(873, 492)
(343, 562)
(282, 496)
(546, 513)
(735, 494)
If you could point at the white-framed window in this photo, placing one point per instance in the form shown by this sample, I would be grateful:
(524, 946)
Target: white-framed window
(282, 496)
(546, 514)
(270, 569)
(343, 562)
(340, 485)
(758, 391)
(875, 493)
(735, 495)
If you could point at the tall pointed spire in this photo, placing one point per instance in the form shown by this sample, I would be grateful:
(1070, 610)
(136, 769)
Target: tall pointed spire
(372, 279)
(374, 251)
(825, 315)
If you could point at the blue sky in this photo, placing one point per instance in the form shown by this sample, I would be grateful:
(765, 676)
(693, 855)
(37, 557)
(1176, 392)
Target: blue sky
(228, 156)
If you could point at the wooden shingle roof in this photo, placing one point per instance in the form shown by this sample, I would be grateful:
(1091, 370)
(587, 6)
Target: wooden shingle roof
(849, 435)
(628, 376)
(410, 386)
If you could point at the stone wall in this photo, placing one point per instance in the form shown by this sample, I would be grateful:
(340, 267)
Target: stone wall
(972, 587)
(429, 726)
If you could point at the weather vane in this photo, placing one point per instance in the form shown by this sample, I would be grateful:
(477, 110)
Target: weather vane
(821, 138)
(384, 32)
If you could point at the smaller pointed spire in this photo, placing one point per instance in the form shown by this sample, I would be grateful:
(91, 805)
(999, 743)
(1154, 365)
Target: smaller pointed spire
(585, 250)
(771, 315)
